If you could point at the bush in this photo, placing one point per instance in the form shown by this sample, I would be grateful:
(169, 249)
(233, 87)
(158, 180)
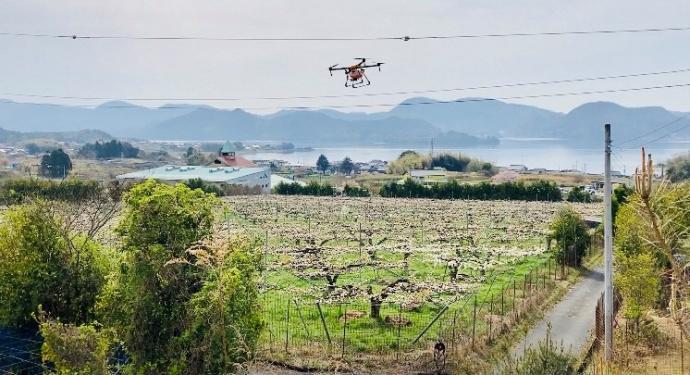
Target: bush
(355, 191)
(179, 306)
(313, 188)
(578, 194)
(678, 168)
(197, 183)
(223, 319)
(106, 150)
(540, 190)
(22, 190)
(76, 350)
(570, 231)
(40, 267)
(544, 360)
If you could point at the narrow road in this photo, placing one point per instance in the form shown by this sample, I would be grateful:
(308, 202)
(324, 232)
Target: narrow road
(572, 319)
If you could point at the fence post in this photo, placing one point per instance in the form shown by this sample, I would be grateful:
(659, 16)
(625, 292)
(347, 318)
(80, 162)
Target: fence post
(455, 315)
(502, 294)
(323, 322)
(397, 352)
(514, 298)
(287, 326)
(304, 323)
(342, 353)
(491, 314)
(474, 320)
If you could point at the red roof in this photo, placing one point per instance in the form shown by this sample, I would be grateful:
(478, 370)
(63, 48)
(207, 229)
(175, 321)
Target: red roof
(234, 161)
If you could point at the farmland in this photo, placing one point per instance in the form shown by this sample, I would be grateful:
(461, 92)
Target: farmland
(376, 275)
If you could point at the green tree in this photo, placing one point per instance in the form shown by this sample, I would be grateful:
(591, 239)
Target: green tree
(322, 164)
(223, 323)
(578, 194)
(41, 265)
(157, 299)
(570, 232)
(56, 164)
(678, 168)
(347, 166)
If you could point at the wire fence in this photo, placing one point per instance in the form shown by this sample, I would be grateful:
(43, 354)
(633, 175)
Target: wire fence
(362, 328)
(20, 352)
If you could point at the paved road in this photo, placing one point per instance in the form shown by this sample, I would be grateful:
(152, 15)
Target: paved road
(572, 319)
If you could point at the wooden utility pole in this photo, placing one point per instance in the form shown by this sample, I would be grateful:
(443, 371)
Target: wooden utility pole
(608, 249)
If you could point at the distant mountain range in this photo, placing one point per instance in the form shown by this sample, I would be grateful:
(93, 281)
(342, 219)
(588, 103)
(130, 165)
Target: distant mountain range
(473, 121)
(80, 136)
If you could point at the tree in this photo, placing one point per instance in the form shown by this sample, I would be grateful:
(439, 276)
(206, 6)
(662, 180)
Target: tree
(347, 166)
(665, 213)
(578, 194)
(570, 231)
(32, 148)
(170, 292)
(56, 164)
(678, 168)
(322, 164)
(45, 264)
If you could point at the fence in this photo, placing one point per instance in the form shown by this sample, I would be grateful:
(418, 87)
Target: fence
(20, 352)
(297, 330)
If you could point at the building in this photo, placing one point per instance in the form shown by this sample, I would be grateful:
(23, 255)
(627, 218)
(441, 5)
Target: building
(518, 167)
(220, 176)
(428, 176)
(227, 156)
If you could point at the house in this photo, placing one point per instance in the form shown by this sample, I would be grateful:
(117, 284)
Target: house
(518, 167)
(227, 156)
(428, 176)
(219, 176)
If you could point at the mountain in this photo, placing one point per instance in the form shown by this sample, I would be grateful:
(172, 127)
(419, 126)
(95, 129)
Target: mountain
(464, 122)
(80, 136)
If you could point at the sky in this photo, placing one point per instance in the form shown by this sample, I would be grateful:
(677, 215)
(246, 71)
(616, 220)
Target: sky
(212, 69)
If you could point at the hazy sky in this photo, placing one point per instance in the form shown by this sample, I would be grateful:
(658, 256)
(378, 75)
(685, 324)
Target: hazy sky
(127, 68)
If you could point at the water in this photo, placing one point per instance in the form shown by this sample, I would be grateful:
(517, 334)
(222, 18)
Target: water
(534, 153)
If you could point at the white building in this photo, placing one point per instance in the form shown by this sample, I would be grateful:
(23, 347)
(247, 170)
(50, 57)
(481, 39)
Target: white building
(249, 177)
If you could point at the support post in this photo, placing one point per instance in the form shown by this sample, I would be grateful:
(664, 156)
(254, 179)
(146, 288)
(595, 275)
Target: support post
(608, 249)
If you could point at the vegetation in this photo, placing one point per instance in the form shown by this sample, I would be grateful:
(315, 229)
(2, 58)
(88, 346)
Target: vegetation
(178, 305)
(197, 183)
(55, 164)
(85, 349)
(194, 157)
(678, 168)
(17, 191)
(570, 232)
(355, 191)
(322, 164)
(346, 166)
(541, 190)
(578, 194)
(312, 188)
(546, 359)
(451, 162)
(44, 264)
(107, 150)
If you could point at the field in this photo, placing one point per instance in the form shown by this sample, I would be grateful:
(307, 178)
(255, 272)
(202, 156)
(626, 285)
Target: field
(357, 276)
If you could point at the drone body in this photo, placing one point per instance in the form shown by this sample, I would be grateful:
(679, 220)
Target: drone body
(354, 74)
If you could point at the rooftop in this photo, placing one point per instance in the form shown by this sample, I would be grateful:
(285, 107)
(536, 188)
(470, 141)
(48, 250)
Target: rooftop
(181, 173)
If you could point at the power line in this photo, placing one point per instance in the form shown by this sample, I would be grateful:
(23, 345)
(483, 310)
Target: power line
(388, 93)
(434, 102)
(348, 38)
(654, 130)
(667, 134)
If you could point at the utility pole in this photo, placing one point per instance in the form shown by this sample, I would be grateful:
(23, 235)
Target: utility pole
(608, 250)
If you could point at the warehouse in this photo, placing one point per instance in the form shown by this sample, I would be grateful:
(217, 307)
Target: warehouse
(259, 178)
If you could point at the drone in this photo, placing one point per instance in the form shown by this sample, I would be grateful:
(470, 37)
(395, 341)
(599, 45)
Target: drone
(354, 74)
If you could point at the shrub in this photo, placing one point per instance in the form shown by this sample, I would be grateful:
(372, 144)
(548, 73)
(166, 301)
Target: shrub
(355, 191)
(570, 231)
(546, 359)
(540, 190)
(313, 188)
(678, 168)
(17, 191)
(41, 267)
(578, 194)
(197, 183)
(76, 350)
